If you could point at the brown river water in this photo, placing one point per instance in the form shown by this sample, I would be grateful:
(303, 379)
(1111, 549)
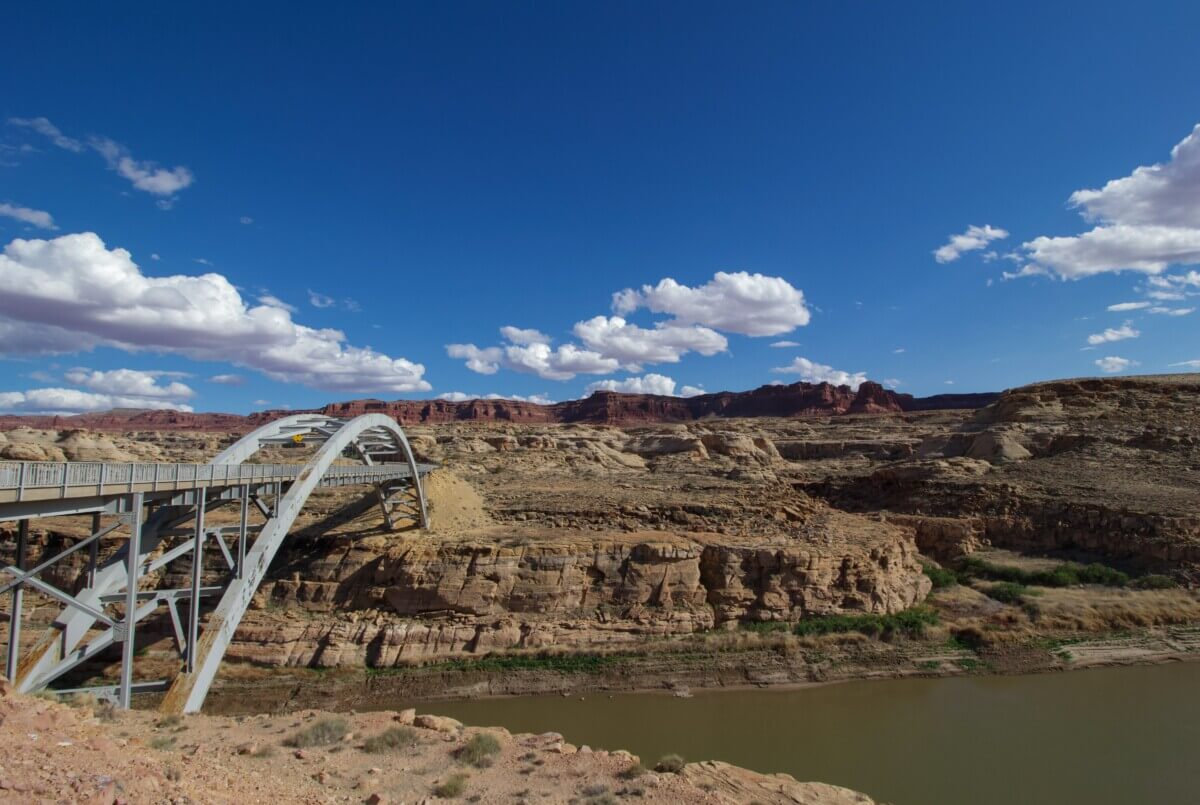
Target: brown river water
(1100, 737)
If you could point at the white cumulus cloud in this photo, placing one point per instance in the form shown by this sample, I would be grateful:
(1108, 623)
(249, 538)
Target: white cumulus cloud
(976, 237)
(227, 380)
(523, 337)
(74, 401)
(1121, 307)
(647, 384)
(631, 345)
(532, 355)
(75, 287)
(737, 302)
(1113, 364)
(1146, 221)
(130, 383)
(812, 372)
(784, 344)
(538, 399)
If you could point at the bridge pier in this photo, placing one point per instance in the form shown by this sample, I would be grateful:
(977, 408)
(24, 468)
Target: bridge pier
(14, 624)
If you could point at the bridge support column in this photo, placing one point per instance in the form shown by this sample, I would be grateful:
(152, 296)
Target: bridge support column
(243, 525)
(93, 553)
(132, 566)
(197, 569)
(14, 624)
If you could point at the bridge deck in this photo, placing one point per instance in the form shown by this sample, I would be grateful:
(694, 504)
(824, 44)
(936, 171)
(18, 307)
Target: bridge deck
(22, 481)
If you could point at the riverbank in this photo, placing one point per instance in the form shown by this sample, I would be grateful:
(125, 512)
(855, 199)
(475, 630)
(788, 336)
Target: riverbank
(728, 661)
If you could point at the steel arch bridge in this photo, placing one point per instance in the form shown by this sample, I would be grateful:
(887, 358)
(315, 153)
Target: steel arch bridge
(162, 508)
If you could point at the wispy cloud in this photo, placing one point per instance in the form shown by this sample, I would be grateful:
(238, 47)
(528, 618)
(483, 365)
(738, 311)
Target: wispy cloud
(44, 127)
(38, 218)
(144, 175)
(1113, 334)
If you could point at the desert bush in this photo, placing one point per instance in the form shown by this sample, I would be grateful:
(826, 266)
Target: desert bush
(452, 787)
(910, 622)
(1007, 592)
(632, 771)
(322, 733)
(1154, 581)
(671, 764)
(391, 739)
(480, 750)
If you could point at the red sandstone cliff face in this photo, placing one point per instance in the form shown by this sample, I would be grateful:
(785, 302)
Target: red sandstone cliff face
(602, 408)
(611, 408)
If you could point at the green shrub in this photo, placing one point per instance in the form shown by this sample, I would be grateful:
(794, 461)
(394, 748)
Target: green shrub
(1154, 581)
(452, 787)
(1007, 592)
(322, 733)
(558, 663)
(910, 622)
(1097, 573)
(480, 750)
(391, 739)
(940, 576)
(670, 764)
(1067, 574)
(162, 743)
(764, 627)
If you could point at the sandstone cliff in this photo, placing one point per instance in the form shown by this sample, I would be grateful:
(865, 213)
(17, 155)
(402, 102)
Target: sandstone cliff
(603, 407)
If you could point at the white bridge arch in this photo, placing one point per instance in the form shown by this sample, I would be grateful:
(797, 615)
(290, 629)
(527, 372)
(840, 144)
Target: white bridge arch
(278, 491)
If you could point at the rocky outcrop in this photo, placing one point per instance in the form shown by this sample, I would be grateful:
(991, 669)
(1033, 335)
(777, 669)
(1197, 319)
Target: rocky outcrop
(416, 599)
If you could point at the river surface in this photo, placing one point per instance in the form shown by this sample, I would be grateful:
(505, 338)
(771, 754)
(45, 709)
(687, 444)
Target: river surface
(1100, 737)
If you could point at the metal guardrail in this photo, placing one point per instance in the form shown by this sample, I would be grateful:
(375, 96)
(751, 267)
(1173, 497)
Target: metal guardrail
(22, 475)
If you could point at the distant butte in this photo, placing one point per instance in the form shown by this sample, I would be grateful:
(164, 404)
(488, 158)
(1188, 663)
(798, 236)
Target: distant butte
(601, 408)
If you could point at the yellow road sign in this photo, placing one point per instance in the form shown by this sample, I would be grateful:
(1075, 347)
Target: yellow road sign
(299, 437)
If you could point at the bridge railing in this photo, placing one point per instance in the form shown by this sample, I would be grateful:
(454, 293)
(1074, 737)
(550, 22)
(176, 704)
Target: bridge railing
(65, 475)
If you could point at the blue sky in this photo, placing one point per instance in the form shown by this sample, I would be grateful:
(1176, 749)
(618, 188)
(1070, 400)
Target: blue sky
(316, 204)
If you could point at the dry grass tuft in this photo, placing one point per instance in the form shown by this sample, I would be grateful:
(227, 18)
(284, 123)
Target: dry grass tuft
(1109, 609)
(322, 733)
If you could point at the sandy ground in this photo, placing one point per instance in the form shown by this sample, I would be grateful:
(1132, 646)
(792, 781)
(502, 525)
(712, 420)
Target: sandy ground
(88, 753)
